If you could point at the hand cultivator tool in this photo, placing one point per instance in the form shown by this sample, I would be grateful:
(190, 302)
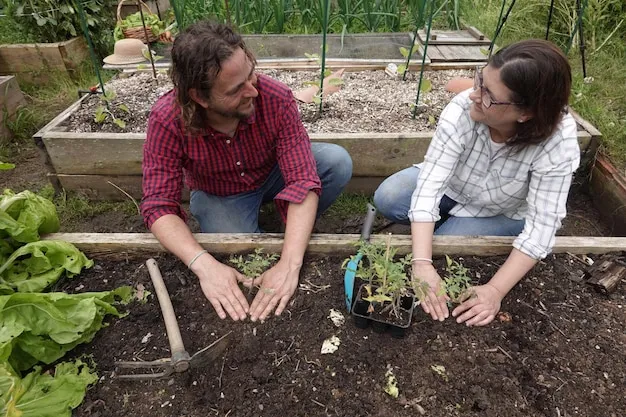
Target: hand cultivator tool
(352, 266)
(180, 360)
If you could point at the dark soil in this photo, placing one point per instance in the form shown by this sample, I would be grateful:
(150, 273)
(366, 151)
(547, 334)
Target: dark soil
(557, 349)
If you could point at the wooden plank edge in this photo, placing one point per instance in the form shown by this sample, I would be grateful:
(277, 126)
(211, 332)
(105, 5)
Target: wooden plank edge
(131, 244)
(595, 133)
(61, 117)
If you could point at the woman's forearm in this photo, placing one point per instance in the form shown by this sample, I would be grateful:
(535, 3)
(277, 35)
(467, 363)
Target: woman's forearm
(422, 239)
(512, 271)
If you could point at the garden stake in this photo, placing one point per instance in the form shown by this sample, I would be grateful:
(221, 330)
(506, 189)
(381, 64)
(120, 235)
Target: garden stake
(352, 266)
(180, 360)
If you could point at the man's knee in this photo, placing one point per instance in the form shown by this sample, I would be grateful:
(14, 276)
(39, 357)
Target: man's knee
(333, 161)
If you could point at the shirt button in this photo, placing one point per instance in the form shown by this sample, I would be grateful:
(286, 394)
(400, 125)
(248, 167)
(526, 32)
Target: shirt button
(228, 141)
(238, 163)
(242, 174)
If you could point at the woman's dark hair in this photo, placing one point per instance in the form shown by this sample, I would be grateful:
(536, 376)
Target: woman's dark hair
(197, 57)
(539, 76)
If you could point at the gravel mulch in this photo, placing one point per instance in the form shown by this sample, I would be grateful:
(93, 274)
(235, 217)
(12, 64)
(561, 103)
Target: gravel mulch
(369, 101)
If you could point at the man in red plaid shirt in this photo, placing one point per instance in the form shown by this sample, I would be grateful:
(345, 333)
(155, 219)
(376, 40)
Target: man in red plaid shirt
(235, 138)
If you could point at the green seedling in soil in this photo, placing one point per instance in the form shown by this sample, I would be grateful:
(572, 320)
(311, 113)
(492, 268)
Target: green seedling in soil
(381, 271)
(253, 264)
(406, 54)
(102, 113)
(457, 284)
(317, 99)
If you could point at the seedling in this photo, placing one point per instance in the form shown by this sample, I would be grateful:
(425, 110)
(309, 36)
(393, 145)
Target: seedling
(254, 264)
(457, 284)
(387, 281)
(317, 98)
(104, 112)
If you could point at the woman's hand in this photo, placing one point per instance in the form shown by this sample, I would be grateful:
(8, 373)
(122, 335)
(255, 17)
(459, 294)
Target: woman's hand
(481, 308)
(433, 298)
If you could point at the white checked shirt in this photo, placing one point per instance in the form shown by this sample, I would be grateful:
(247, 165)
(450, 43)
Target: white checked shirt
(531, 184)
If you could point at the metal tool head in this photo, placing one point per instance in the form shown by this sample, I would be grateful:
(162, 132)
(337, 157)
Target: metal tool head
(205, 356)
(163, 368)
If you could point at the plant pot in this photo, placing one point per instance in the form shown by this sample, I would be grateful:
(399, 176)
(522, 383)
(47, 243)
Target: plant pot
(360, 314)
(381, 322)
(379, 326)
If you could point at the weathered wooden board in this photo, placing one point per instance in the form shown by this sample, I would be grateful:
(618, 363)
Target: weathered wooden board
(145, 244)
(373, 154)
(39, 59)
(304, 64)
(107, 187)
(106, 154)
(456, 53)
(469, 36)
(11, 98)
(608, 191)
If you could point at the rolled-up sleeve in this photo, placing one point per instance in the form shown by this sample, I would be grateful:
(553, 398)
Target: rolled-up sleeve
(162, 171)
(550, 182)
(439, 162)
(295, 159)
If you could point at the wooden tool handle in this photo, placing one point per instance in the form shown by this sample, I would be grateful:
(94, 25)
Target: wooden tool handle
(171, 324)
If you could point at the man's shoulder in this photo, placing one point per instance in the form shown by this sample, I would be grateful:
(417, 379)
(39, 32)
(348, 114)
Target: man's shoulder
(166, 108)
(273, 89)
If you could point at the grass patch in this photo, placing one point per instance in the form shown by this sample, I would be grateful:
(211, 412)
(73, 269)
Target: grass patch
(347, 205)
(44, 102)
(74, 207)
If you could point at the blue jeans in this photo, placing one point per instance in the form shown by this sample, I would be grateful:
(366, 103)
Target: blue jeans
(393, 200)
(239, 213)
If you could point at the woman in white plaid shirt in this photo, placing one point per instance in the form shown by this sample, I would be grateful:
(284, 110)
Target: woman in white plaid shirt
(500, 164)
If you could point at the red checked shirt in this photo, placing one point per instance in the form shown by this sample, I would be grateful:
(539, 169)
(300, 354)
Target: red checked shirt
(220, 165)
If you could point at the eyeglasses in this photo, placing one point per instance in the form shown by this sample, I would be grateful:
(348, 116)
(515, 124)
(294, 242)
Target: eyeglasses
(485, 98)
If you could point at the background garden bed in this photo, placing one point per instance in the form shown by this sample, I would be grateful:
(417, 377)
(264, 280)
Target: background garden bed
(91, 161)
(559, 354)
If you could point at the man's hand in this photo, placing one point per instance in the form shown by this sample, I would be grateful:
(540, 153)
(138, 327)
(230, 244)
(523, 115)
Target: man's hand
(277, 286)
(434, 303)
(219, 284)
(480, 309)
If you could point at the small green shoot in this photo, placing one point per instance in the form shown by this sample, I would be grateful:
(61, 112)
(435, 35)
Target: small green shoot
(457, 284)
(103, 113)
(253, 264)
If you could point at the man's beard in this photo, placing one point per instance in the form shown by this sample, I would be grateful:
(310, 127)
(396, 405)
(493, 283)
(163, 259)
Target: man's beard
(235, 114)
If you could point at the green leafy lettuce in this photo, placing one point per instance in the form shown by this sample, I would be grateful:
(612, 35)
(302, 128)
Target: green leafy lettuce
(44, 395)
(36, 265)
(42, 327)
(23, 216)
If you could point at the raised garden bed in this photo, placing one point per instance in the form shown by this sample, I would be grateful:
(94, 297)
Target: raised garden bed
(554, 350)
(34, 62)
(370, 117)
(11, 98)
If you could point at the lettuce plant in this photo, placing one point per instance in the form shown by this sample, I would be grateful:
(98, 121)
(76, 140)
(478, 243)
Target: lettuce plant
(43, 395)
(36, 265)
(25, 215)
(42, 327)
